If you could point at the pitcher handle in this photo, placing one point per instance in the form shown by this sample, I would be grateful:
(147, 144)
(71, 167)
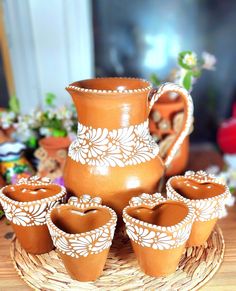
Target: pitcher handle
(154, 95)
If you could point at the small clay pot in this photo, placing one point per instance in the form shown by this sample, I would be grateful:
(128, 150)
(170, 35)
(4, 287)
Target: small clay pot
(82, 231)
(207, 195)
(53, 144)
(25, 205)
(158, 230)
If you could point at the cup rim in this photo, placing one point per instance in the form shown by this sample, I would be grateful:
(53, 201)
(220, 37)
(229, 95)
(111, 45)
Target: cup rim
(112, 221)
(187, 219)
(76, 86)
(34, 202)
(208, 179)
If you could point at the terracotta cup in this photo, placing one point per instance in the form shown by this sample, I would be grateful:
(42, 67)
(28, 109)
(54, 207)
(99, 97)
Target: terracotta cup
(25, 205)
(207, 195)
(158, 230)
(82, 231)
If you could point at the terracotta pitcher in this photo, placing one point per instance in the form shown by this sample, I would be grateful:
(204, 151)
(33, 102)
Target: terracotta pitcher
(114, 156)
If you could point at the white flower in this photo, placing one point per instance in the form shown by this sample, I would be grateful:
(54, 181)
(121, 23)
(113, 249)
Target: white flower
(209, 61)
(190, 59)
(45, 131)
(7, 119)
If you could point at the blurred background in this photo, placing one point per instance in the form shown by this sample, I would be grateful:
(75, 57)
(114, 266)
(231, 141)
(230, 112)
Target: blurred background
(45, 45)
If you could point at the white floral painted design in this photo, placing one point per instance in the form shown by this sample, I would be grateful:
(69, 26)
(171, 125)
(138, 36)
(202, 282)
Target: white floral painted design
(119, 147)
(154, 236)
(30, 213)
(163, 241)
(205, 209)
(84, 244)
(146, 199)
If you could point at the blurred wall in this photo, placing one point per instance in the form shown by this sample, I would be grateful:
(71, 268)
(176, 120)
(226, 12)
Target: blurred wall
(141, 37)
(50, 46)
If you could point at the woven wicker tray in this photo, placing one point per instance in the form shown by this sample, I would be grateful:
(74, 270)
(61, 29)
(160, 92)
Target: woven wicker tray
(197, 266)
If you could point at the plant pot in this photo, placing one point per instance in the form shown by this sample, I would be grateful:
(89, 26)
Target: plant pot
(82, 231)
(207, 195)
(158, 230)
(25, 205)
(53, 144)
(168, 111)
(51, 156)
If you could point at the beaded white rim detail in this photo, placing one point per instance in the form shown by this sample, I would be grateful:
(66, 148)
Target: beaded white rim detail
(171, 87)
(32, 213)
(124, 91)
(154, 236)
(119, 147)
(90, 242)
(207, 208)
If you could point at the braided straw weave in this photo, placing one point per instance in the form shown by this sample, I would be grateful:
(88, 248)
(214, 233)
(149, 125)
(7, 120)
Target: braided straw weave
(47, 272)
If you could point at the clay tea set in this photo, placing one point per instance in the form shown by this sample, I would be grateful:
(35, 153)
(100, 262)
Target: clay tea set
(117, 162)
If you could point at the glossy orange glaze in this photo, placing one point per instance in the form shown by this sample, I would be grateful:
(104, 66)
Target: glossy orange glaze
(201, 230)
(102, 103)
(72, 219)
(167, 109)
(34, 239)
(26, 193)
(115, 185)
(193, 190)
(166, 214)
(157, 263)
(85, 268)
(111, 110)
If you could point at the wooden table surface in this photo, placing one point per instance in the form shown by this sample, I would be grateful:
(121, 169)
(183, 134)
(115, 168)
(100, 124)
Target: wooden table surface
(224, 279)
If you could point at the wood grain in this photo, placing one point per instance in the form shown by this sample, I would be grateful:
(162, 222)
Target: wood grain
(224, 280)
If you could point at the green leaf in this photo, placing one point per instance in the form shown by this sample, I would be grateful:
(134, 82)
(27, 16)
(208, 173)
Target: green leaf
(58, 132)
(232, 189)
(187, 81)
(49, 99)
(155, 80)
(14, 104)
(1, 213)
(196, 73)
(32, 142)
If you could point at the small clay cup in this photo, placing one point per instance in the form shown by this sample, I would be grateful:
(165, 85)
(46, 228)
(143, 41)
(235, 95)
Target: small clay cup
(25, 205)
(82, 231)
(158, 229)
(207, 195)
